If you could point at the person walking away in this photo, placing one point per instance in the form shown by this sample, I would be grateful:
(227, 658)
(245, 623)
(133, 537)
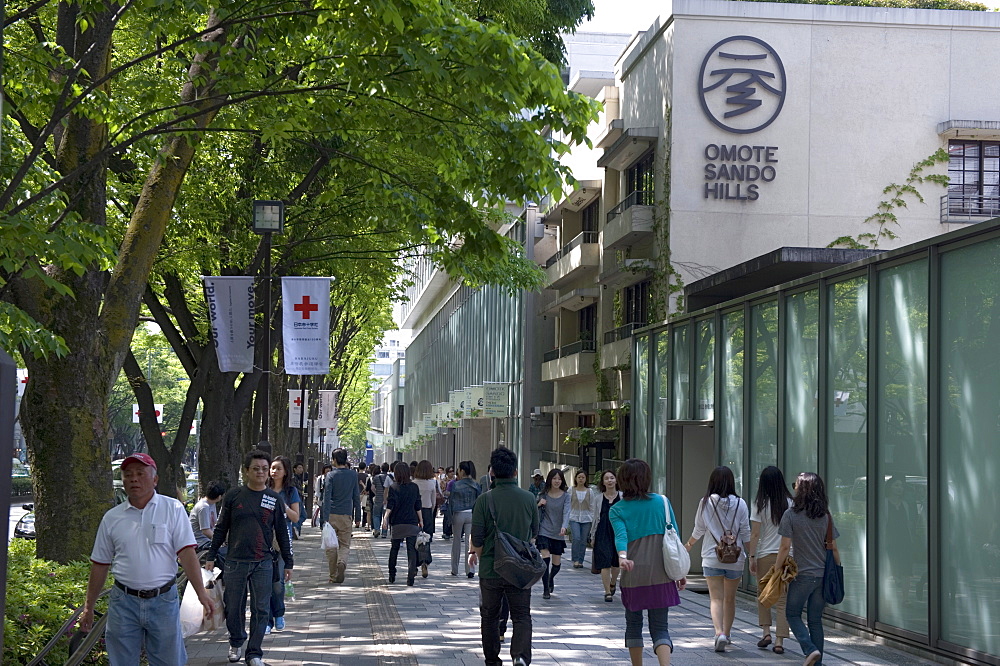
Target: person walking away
(639, 522)
(342, 503)
(769, 505)
(319, 516)
(301, 481)
(804, 528)
(517, 515)
(427, 482)
(581, 512)
(445, 488)
(403, 520)
(604, 559)
(366, 505)
(553, 522)
(486, 481)
(250, 521)
(281, 483)
(721, 514)
(376, 493)
(204, 515)
(140, 541)
(464, 493)
(537, 483)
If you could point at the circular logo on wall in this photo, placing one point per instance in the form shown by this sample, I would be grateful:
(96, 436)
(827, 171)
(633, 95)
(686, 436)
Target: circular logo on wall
(742, 84)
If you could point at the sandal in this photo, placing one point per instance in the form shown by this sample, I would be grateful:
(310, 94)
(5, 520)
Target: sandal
(608, 597)
(778, 649)
(764, 642)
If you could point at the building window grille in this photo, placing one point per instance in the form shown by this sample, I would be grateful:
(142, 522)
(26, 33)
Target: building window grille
(973, 179)
(638, 184)
(588, 322)
(589, 216)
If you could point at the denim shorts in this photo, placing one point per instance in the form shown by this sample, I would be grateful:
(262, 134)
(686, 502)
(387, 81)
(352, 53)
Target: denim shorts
(730, 574)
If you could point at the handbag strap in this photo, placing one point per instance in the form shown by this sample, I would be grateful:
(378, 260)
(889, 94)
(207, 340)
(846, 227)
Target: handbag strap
(715, 506)
(668, 511)
(829, 531)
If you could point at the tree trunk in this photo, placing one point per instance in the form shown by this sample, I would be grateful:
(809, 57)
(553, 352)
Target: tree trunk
(220, 456)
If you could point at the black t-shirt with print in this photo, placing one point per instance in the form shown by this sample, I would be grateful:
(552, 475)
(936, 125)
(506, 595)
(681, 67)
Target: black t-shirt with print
(251, 519)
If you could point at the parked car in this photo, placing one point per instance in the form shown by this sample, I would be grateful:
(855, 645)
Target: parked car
(25, 527)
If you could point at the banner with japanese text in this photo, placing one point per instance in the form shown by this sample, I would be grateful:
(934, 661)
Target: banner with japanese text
(230, 312)
(305, 325)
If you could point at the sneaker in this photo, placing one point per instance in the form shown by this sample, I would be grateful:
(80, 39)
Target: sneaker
(546, 595)
(720, 643)
(235, 652)
(423, 570)
(279, 624)
(471, 575)
(813, 657)
(267, 631)
(520, 662)
(375, 533)
(255, 661)
(341, 572)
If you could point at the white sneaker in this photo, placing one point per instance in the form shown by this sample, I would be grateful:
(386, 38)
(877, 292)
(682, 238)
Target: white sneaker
(255, 661)
(235, 653)
(720, 643)
(813, 657)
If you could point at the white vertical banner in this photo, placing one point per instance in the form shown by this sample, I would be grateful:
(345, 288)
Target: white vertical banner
(230, 313)
(327, 409)
(295, 405)
(305, 325)
(158, 411)
(495, 400)
(22, 381)
(467, 402)
(478, 401)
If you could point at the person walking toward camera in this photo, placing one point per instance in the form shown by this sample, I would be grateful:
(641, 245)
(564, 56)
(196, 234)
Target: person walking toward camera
(140, 541)
(516, 515)
(604, 559)
(553, 521)
(804, 528)
(342, 504)
(724, 516)
(281, 482)
(639, 522)
(581, 512)
(769, 505)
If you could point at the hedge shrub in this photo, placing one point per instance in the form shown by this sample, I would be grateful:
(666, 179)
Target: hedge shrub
(20, 485)
(41, 595)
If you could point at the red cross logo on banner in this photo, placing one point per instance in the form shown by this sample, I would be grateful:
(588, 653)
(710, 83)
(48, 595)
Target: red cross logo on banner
(298, 402)
(25, 380)
(305, 307)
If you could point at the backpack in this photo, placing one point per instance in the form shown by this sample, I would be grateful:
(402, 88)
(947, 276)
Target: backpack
(726, 548)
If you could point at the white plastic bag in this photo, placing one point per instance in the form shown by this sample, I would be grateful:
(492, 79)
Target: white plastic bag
(193, 618)
(676, 560)
(330, 537)
(215, 590)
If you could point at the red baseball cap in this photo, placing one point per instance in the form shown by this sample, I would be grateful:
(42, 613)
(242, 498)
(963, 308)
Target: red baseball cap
(143, 458)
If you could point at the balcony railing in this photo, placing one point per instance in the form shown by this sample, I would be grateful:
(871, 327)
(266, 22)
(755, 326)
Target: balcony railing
(622, 332)
(569, 350)
(637, 198)
(969, 207)
(580, 239)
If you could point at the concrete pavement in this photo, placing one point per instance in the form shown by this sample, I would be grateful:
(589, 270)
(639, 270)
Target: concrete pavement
(365, 621)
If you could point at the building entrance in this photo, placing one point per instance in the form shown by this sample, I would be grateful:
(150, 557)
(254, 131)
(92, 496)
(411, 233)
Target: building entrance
(690, 460)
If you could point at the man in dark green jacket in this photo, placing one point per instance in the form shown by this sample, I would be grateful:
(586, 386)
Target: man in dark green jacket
(517, 515)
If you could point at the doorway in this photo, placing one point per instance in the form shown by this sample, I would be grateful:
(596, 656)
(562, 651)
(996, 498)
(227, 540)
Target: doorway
(690, 460)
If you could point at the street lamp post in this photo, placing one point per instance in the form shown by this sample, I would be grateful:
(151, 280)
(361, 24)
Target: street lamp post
(268, 218)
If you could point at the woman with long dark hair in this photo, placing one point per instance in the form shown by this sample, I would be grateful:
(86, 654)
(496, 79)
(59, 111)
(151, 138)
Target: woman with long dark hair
(553, 521)
(640, 521)
(724, 516)
(426, 480)
(581, 513)
(769, 505)
(403, 520)
(804, 528)
(604, 559)
(281, 482)
(463, 495)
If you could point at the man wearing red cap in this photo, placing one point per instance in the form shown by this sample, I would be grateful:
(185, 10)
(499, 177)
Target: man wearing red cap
(140, 542)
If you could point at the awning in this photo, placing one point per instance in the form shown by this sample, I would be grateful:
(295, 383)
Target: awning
(632, 145)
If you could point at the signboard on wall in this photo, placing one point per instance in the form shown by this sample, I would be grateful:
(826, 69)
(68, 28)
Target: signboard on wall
(496, 402)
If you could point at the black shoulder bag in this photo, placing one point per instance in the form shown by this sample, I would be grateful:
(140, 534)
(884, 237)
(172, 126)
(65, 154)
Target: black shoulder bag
(516, 561)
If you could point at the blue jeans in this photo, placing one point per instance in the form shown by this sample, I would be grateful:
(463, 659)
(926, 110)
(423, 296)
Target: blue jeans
(657, 628)
(378, 510)
(239, 576)
(807, 592)
(579, 533)
(277, 604)
(156, 622)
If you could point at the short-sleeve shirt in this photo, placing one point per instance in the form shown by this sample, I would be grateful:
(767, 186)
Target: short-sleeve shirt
(141, 545)
(808, 537)
(203, 517)
(770, 540)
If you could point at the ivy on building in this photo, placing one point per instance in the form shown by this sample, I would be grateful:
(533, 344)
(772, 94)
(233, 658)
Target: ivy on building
(962, 5)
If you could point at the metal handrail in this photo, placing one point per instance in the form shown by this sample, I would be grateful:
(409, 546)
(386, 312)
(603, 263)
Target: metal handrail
(636, 198)
(550, 355)
(100, 621)
(969, 207)
(578, 240)
(622, 332)
(568, 350)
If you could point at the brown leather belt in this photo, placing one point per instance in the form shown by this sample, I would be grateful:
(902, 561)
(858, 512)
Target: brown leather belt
(146, 594)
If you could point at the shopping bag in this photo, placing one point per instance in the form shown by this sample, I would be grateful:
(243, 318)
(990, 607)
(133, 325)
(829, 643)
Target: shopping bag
(424, 548)
(833, 573)
(676, 560)
(329, 537)
(214, 588)
(192, 613)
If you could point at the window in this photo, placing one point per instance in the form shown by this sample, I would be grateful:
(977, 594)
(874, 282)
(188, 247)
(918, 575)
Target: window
(588, 322)
(589, 216)
(639, 181)
(974, 177)
(635, 303)
(382, 354)
(393, 343)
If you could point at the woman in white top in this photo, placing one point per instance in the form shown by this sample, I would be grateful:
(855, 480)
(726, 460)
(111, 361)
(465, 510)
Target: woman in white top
(770, 503)
(427, 483)
(581, 512)
(722, 515)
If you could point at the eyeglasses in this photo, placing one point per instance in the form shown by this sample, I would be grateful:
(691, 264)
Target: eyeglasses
(260, 469)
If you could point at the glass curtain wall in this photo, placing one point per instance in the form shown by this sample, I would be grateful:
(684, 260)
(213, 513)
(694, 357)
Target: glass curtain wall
(801, 382)
(847, 433)
(901, 482)
(731, 395)
(682, 374)
(763, 390)
(969, 456)
(658, 403)
(640, 431)
(705, 368)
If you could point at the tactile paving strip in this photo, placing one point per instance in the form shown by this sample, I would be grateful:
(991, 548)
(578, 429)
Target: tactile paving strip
(387, 627)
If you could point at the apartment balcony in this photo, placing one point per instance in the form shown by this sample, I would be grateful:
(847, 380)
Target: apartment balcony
(569, 361)
(617, 349)
(576, 259)
(630, 222)
(618, 274)
(969, 207)
(573, 300)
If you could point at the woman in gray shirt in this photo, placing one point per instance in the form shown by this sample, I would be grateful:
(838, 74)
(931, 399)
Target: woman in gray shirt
(553, 521)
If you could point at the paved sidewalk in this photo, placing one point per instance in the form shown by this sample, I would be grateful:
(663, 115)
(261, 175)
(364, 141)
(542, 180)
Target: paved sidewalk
(365, 621)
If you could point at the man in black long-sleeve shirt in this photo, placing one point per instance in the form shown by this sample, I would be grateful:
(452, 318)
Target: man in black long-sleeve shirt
(252, 518)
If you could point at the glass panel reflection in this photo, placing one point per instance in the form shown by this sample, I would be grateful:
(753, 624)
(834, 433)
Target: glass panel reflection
(763, 388)
(682, 381)
(731, 398)
(658, 446)
(705, 349)
(640, 440)
(801, 382)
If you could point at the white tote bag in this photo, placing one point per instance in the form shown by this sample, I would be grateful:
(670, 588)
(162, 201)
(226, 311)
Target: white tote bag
(676, 560)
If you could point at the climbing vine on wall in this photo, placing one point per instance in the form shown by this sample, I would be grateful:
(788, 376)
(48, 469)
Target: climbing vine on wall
(666, 281)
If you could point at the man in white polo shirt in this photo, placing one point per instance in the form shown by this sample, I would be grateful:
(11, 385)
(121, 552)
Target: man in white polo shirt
(140, 541)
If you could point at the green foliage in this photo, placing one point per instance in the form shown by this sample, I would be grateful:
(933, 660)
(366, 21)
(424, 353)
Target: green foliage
(539, 22)
(964, 5)
(41, 596)
(885, 218)
(20, 485)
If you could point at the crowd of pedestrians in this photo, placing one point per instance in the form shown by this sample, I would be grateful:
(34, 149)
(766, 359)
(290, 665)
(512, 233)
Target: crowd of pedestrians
(248, 531)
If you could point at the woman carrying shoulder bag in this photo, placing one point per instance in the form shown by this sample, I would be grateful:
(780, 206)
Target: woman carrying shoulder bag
(403, 520)
(769, 505)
